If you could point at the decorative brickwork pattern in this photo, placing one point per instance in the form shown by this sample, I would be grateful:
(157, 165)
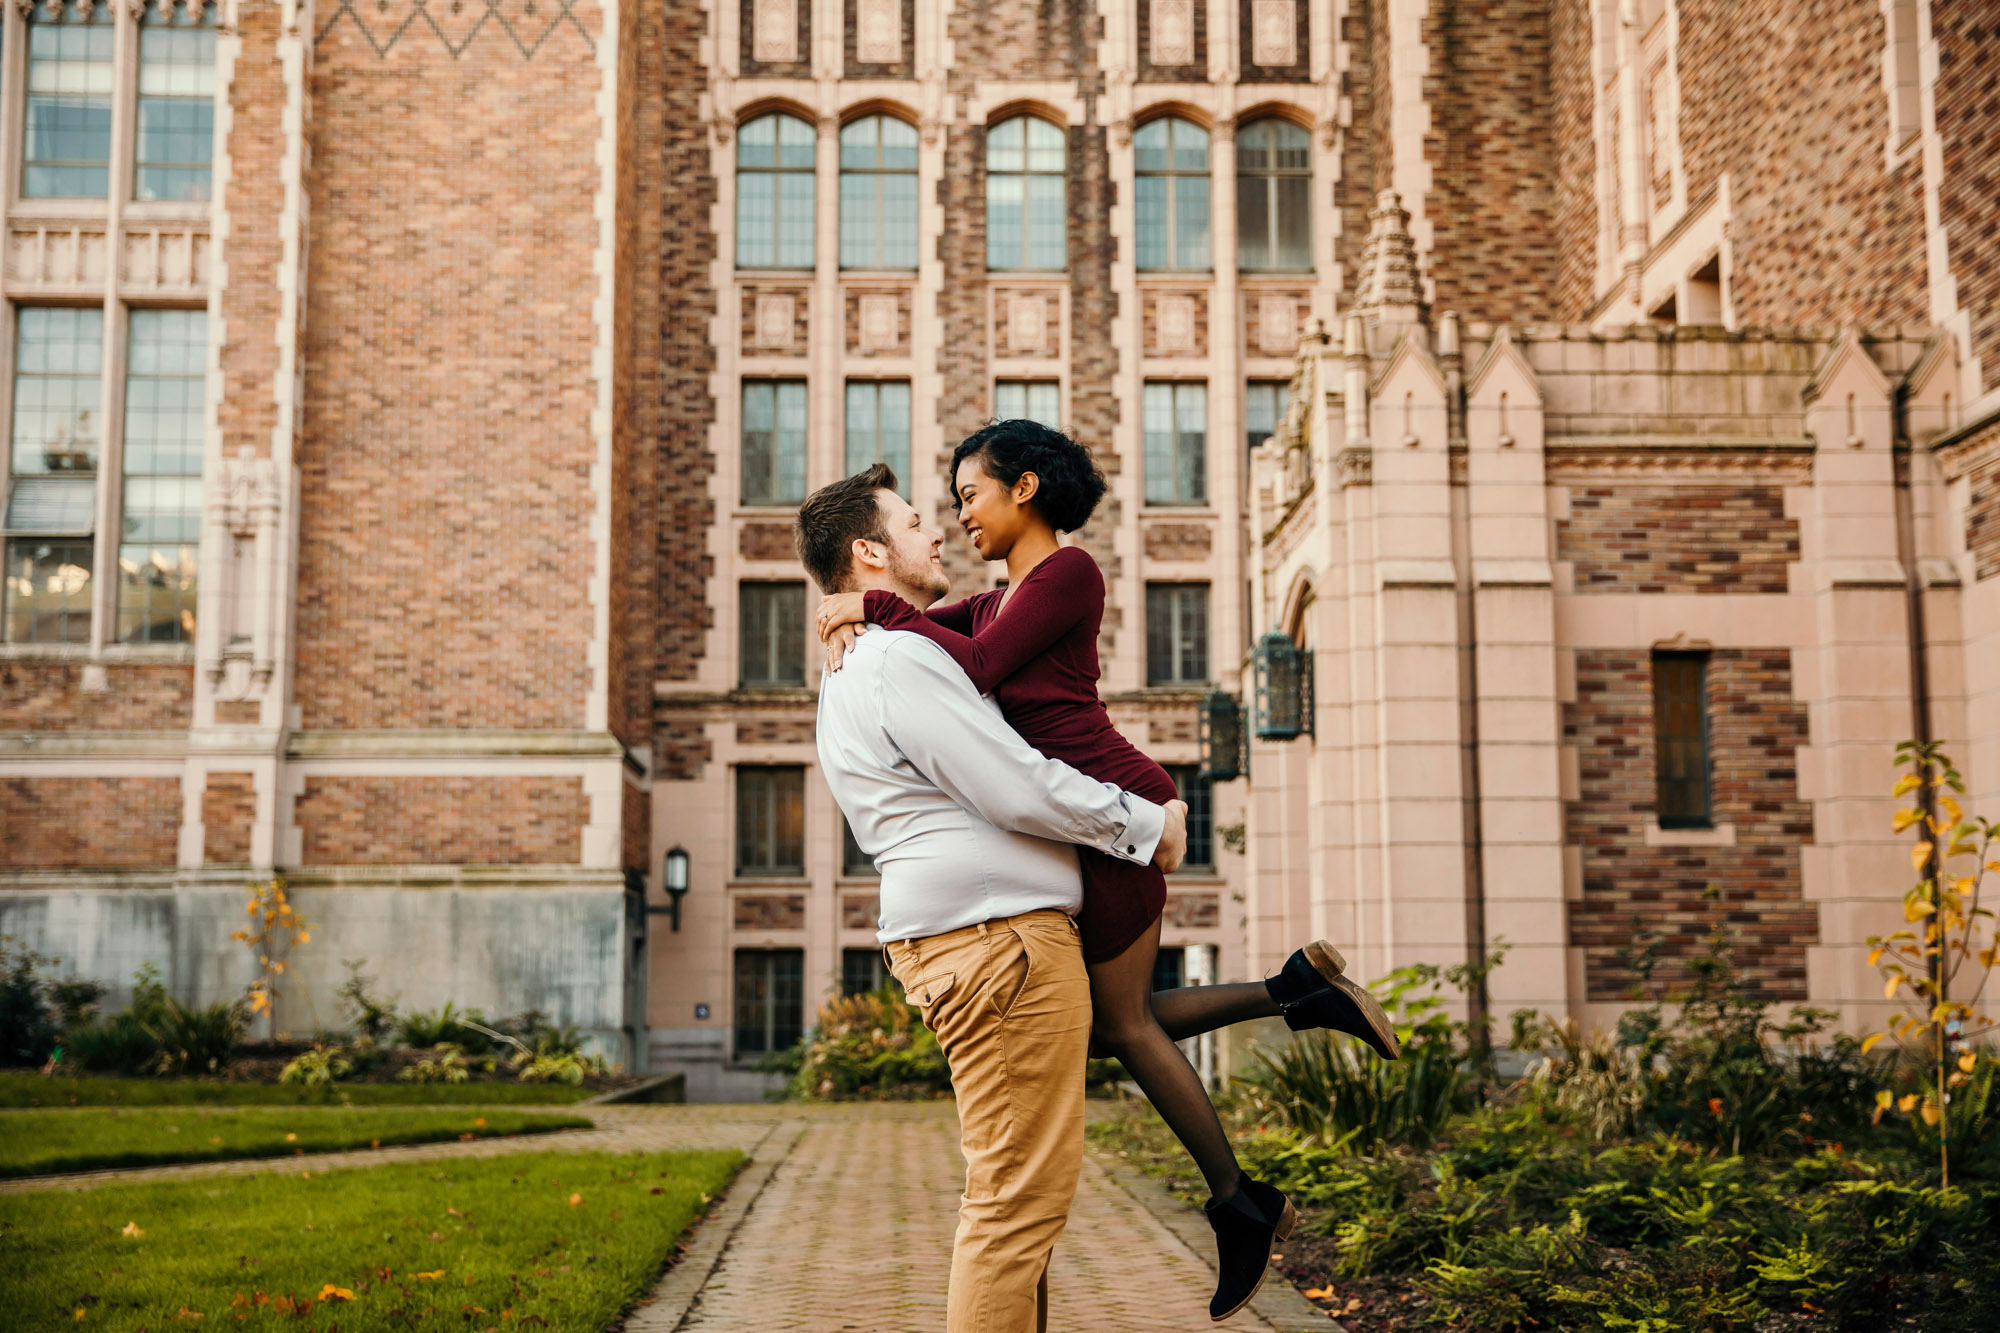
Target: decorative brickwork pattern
(1178, 541)
(1354, 193)
(228, 808)
(766, 541)
(752, 68)
(963, 357)
(1572, 108)
(457, 23)
(442, 821)
(89, 823)
(1823, 231)
(1193, 911)
(1982, 522)
(1299, 71)
(681, 749)
(1755, 729)
(768, 911)
(1093, 362)
(1196, 69)
(1701, 539)
(1968, 124)
(418, 344)
(775, 731)
(903, 68)
(49, 696)
(788, 337)
(859, 911)
(878, 321)
(249, 303)
(685, 360)
(1175, 323)
(1491, 206)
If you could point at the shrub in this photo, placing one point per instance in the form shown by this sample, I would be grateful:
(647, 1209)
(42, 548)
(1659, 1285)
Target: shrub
(445, 1064)
(28, 1029)
(564, 1067)
(157, 1034)
(870, 1046)
(319, 1067)
(424, 1028)
(372, 1016)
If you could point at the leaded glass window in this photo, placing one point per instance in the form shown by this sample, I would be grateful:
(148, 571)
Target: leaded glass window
(1176, 633)
(1176, 430)
(1273, 197)
(878, 194)
(1028, 400)
(878, 428)
(67, 139)
(772, 639)
(164, 401)
(774, 441)
(52, 482)
(1170, 157)
(176, 112)
(1026, 223)
(774, 193)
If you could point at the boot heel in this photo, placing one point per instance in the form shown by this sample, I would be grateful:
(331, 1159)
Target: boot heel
(1288, 1221)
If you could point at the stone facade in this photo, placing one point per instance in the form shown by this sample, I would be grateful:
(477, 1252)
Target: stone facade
(1604, 332)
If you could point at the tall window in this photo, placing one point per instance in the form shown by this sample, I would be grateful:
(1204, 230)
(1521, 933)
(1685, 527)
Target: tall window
(1176, 421)
(878, 428)
(1196, 791)
(1273, 197)
(853, 861)
(774, 442)
(67, 145)
(162, 513)
(1028, 400)
(771, 819)
(1264, 407)
(772, 637)
(1170, 157)
(1176, 633)
(770, 1000)
(1026, 224)
(1680, 737)
(52, 485)
(1170, 969)
(176, 101)
(878, 193)
(864, 970)
(774, 193)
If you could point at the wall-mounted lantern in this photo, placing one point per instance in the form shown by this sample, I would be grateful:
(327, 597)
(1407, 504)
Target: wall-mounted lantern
(1284, 688)
(1222, 751)
(674, 879)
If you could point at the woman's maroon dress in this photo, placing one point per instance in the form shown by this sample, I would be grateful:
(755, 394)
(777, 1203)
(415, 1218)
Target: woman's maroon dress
(1038, 658)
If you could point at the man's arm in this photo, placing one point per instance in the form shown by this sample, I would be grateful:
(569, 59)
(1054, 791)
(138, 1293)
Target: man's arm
(938, 721)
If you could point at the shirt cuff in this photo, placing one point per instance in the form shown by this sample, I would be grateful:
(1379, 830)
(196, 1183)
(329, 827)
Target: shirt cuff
(1142, 833)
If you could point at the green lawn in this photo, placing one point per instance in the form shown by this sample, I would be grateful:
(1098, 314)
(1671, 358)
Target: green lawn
(39, 1142)
(558, 1242)
(18, 1088)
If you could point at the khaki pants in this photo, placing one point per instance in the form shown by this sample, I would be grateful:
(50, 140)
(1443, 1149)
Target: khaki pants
(1009, 1001)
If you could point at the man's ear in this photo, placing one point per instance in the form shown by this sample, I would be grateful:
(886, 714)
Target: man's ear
(863, 553)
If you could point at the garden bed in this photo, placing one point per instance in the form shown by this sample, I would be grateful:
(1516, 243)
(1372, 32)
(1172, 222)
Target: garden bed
(21, 1088)
(557, 1242)
(49, 1141)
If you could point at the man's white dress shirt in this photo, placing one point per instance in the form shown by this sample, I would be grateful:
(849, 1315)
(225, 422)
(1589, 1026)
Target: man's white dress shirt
(965, 821)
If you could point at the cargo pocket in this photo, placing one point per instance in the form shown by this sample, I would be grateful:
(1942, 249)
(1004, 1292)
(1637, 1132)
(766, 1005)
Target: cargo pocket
(927, 992)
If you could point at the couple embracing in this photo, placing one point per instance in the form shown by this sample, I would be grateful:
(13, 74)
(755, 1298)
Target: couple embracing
(1022, 844)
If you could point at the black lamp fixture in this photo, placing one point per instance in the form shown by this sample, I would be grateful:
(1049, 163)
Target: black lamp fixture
(674, 879)
(1221, 738)
(1284, 688)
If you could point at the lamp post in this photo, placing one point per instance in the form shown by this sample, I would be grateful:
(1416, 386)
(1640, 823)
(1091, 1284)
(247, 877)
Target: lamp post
(1221, 738)
(674, 879)
(1284, 688)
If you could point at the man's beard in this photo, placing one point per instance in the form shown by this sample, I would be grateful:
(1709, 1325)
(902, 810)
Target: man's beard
(921, 583)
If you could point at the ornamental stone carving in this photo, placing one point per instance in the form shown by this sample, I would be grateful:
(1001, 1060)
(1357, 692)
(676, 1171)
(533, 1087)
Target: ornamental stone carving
(776, 313)
(878, 322)
(1027, 323)
(1171, 25)
(774, 31)
(1274, 33)
(1176, 324)
(878, 32)
(1278, 324)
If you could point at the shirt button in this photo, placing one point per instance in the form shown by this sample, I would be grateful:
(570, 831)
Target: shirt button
(1130, 850)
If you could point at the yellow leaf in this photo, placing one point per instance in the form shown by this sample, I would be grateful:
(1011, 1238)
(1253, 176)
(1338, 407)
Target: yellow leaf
(575, 1199)
(1905, 818)
(1906, 1102)
(1967, 1062)
(1952, 810)
(132, 1229)
(1961, 847)
(1874, 957)
(1909, 783)
(1920, 854)
(1868, 1042)
(332, 1293)
(1885, 1099)
(1313, 1294)
(291, 1137)
(431, 1276)
(1930, 1112)
(1889, 990)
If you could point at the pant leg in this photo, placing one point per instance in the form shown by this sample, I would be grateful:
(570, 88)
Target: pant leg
(1010, 1003)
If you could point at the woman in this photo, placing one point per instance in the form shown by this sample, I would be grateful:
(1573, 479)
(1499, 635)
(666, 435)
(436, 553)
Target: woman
(1033, 646)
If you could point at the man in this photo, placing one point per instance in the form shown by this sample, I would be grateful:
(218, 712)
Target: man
(967, 825)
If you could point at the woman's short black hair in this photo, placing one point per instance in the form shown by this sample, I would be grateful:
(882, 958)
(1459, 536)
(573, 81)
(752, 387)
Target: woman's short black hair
(1071, 481)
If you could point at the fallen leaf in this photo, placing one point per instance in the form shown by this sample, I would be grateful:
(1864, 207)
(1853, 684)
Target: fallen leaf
(329, 1292)
(238, 1301)
(79, 1314)
(657, 1189)
(1319, 1294)
(374, 1143)
(185, 1313)
(431, 1276)
(575, 1199)
(467, 1137)
(216, 1139)
(291, 1138)
(437, 1235)
(453, 1212)
(132, 1229)
(481, 1121)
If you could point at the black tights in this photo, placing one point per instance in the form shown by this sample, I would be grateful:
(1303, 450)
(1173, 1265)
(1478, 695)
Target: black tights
(1139, 1026)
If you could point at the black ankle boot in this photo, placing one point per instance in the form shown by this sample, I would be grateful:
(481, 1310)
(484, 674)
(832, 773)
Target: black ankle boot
(1313, 991)
(1247, 1225)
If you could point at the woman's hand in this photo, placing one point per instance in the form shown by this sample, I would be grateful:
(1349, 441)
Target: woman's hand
(838, 609)
(842, 641)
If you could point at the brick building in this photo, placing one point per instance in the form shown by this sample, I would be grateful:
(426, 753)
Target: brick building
(409, 397)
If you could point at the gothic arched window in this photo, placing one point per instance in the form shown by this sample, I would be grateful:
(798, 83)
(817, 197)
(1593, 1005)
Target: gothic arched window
(1170, 157)
(1026, 221)
(1273, 197)
(878, 193)
(774, 193)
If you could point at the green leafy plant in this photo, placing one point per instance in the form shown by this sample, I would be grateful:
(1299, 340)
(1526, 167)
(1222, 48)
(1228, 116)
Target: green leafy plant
(425, 1028)
(28, 1028)
(157, 1034)
(276, 928)
(870, 1046)
(445, 1064)
(372, 1016)
(320, 1067)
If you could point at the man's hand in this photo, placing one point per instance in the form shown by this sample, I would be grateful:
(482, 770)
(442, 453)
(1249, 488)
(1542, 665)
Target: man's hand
(1173, 841)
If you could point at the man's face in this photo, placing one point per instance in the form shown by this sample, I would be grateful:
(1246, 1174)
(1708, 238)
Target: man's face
(915, 562)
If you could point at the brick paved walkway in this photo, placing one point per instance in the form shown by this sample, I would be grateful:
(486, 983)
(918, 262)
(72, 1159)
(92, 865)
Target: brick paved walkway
(842, 1223)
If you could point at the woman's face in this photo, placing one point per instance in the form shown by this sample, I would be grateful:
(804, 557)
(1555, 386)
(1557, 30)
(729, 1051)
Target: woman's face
(992, 514)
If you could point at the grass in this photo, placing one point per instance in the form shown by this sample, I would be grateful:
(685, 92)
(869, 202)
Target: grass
(559, 1242)
(19, 1089)
(39, 1142)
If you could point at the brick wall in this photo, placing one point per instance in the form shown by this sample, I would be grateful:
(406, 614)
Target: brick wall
(446, 324)
(963, 358)
(684, 360)
(254, 196)
(49, 696)
(635, 827)
(1968, 124)
(1786, 96)
(681, 748)
(1756, 727)
(1572, 106)
(228, 808)
(766, 541)
(442, 821)
(1701, 539)
(1093, 360)
(1354, 192)
(1177, 541)
(1492, 202)
(1982, 522)
(1379, 129)
(775, 731)
(89, 823)
(769, 911)
(635, 383)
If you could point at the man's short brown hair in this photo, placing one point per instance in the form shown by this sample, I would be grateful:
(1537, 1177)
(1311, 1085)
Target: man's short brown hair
(834, 517)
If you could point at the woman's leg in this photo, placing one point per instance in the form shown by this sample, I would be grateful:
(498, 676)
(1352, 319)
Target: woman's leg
(1189, 1011)
(1120, 995)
